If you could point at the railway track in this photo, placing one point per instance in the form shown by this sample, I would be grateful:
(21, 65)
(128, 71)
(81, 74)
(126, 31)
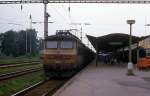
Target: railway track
(18, 73)
(18, 64)
(45, 88)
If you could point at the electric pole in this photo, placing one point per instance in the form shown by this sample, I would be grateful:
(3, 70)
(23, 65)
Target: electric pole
(81, 34)
(45, 19)
(30, 33)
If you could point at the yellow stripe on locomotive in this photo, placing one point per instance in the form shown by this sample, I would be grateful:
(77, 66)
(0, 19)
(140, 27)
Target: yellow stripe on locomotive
(60, 55)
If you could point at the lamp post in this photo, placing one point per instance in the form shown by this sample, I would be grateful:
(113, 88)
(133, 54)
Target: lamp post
(96, 52)
(130, 65)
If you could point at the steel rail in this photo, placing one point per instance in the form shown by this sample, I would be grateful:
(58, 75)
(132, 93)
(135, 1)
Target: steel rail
(28, 88)
(39, 85)
(18, 73)
(50, 92)
(19, 64)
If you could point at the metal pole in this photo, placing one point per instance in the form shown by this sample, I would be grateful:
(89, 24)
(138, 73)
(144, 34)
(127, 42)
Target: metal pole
(96, 52)
(30, 33)
(130, 65)
(137, 51)
(130, 42)
(81, 34)
(26, 43)
(45, 21)
(30, 42)
(30, 21)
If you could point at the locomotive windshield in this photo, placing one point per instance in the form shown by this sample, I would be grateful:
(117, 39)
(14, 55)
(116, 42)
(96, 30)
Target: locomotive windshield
(148, 52)
(52, 44)
(66, 44)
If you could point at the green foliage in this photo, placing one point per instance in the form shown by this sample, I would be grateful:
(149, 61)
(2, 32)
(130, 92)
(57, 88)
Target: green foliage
(9, 87)
(23, 58)
(19, 43)
(18, 68)
(9, 43)
(41, 44)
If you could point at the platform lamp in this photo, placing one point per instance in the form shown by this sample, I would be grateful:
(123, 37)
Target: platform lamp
(130, 64)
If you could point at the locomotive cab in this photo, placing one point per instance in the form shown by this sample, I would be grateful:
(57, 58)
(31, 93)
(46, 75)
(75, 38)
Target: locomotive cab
(60, 53)
(64, 54)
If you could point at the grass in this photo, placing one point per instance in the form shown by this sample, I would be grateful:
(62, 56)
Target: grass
(13, 69)
(6, 60)
(7, 88)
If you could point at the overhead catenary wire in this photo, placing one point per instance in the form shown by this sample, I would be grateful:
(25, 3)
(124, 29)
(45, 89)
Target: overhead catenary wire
(64, 9)
(6, 19)
(145, 24)
(11, 23)
(59, 14)
(69, 11)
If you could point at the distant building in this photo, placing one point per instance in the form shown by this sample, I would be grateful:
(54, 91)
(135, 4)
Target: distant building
(145, 43)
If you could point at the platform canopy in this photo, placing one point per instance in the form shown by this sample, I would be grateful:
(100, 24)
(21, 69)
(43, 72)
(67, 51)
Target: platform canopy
(73, 1)
(111, 42)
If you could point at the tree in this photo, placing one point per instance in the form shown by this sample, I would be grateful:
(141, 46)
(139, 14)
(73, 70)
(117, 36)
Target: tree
(16, 43)
(32, 41)
(9, 43)
(1, 39)
(22, 42)
(40, 44)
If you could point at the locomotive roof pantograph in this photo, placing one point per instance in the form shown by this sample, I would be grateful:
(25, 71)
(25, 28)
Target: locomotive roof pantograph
(63, 35)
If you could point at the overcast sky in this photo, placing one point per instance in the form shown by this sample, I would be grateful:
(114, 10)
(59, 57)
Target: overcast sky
(104, 18)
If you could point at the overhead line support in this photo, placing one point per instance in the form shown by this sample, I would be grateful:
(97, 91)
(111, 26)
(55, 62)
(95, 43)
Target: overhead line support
(76, 1)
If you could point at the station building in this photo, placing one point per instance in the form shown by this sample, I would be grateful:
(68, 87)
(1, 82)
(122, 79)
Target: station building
(145, 43)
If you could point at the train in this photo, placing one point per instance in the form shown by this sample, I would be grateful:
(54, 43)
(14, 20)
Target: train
(65, 54)
(140, 56)
(137, 53)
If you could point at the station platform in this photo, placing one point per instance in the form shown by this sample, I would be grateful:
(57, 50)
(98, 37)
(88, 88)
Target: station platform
(106, 80)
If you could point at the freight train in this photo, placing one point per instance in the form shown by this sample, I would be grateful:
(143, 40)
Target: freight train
(65, 54)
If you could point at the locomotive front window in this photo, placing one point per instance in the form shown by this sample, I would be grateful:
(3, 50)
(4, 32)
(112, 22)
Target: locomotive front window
(148, 52)
(51, 44)
(66, 44)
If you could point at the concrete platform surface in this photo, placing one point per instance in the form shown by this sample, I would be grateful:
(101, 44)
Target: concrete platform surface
(107, 81)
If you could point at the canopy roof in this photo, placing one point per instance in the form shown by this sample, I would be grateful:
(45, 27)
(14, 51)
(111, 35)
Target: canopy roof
(111, 42)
